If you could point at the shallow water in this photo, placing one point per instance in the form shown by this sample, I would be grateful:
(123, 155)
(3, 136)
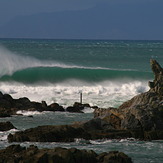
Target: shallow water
(139, 151)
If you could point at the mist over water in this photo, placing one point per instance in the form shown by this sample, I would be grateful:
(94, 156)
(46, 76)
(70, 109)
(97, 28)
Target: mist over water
(11, 62)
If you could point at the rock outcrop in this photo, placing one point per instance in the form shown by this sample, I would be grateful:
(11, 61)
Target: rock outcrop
(77, 107)
(5, 126)
(16, 153)
(9, 106)
(143, 114)
(63, 133)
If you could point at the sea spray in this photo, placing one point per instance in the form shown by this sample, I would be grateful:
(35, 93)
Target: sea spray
(104, 94)
(11, 62)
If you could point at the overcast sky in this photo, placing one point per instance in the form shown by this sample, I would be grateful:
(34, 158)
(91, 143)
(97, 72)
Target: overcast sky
(12, 8)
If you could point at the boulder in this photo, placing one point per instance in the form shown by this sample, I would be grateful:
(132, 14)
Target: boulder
(16, 153)
(114, 157)
(55, 107)
(73, 109)
(5, 126)
(77, 107)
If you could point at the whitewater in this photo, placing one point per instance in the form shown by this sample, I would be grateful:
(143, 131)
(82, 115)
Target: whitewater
(102, 93)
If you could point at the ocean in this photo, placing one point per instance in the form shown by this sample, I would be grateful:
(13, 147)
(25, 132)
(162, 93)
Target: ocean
(107, 72)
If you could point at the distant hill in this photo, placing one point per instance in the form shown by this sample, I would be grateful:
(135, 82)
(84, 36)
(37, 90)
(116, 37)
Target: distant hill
(100, 22)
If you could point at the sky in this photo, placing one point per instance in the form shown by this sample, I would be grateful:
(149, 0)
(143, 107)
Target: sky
(11, 9)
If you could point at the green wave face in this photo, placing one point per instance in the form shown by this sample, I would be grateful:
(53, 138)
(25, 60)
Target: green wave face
(55, 75)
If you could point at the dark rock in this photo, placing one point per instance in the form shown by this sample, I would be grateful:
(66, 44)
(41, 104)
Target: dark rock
(5, 112)
(55, 107)
(94, 107)
(114, 157)
(8, 97)
(9, 106)
(30, 116)
(16, 153)
(5, 126)
(63, 133)
(22, 103)
(81, 106)
(44, 104)
(143, 113)
(1, 95)
(77, 107)
(73, 109)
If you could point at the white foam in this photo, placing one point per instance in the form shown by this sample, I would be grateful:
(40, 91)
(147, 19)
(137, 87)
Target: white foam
(4, 135)
(28, 113)
(104, 94)
(127, 140)
(102, 141)
(88, 110)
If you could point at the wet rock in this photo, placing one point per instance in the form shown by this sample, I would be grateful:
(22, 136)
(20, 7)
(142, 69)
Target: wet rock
(44, 104)
(16, 153)
(114, 157)
(55, 107)
(77, 107)
(5, 112)
(22, 103)
(9, 106)
(73, 109)
(5, 126)
(80, 105)
(143, 113)
(63, 133)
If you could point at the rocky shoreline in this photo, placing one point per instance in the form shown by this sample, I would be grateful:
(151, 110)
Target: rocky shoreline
(16, 153)
(10, 106)
(140, 118)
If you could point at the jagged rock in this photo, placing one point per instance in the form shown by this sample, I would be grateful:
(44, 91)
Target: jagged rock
(5, 126)
(44, 104)
(143, 113)
(16, 153)
(9, 106)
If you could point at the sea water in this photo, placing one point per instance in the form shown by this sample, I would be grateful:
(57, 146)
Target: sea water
(106, 72)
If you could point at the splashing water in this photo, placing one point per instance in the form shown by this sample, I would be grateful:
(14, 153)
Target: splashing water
(10, 62)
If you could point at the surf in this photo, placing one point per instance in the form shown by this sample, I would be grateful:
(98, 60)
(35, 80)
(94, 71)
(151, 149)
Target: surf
(15, 67)
(104, 94)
